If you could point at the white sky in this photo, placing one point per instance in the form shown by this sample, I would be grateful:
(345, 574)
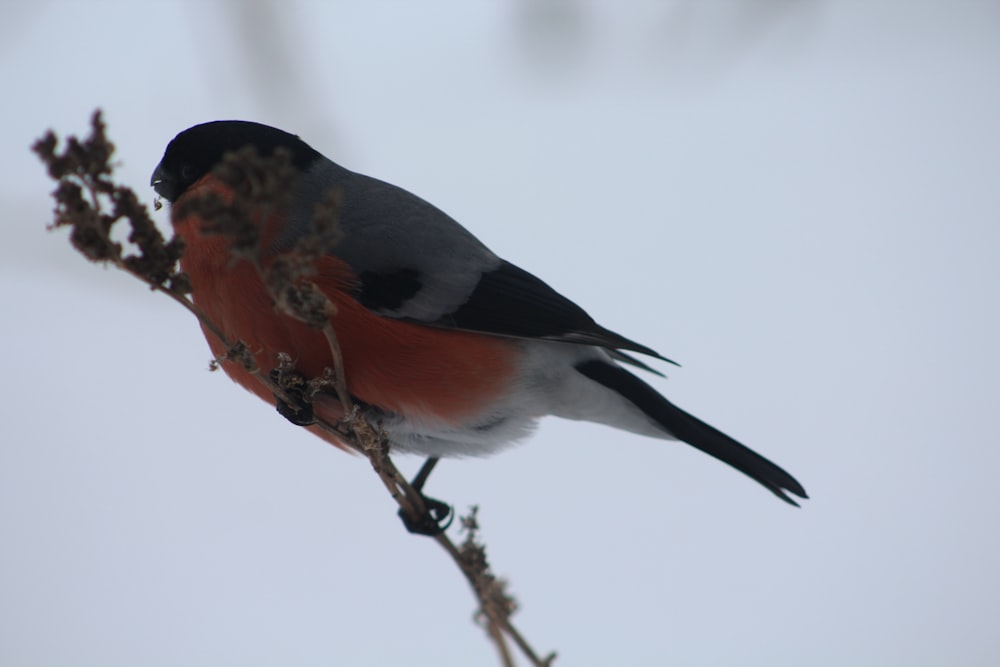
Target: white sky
(798, 201)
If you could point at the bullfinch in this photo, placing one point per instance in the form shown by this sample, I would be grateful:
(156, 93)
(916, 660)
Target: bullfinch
(456, 351)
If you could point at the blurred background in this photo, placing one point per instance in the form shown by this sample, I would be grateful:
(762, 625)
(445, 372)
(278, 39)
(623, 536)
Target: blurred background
(796, 199)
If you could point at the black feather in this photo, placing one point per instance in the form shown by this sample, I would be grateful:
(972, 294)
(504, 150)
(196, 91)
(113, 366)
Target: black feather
(692, 430)
(509, 301)
(387, 291)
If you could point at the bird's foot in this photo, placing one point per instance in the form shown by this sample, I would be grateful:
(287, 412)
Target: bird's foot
(437, 515)
(297, 409)
(434, 521)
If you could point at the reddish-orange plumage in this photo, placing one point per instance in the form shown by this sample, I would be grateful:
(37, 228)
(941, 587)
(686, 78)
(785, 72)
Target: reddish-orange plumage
(418, 371)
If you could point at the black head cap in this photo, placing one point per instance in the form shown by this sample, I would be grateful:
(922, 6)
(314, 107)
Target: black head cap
(195, 151)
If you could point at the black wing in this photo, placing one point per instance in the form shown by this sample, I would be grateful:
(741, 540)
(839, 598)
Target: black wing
(508, 301)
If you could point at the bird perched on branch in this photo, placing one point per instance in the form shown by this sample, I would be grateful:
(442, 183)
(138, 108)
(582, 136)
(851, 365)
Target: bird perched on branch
(456, 351)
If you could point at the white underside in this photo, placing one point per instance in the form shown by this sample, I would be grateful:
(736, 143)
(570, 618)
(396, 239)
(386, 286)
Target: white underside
(548, 384)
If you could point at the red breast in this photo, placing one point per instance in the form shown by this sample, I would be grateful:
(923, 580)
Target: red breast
(399, 366)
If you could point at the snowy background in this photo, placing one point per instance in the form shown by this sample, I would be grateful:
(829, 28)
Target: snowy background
(798, 200)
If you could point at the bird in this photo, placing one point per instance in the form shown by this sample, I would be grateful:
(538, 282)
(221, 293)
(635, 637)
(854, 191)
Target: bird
(457, 351)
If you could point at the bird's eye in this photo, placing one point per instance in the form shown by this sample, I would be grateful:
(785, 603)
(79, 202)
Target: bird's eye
(187, 172)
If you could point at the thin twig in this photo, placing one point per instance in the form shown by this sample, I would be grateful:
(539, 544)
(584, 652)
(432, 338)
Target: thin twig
(84, 169)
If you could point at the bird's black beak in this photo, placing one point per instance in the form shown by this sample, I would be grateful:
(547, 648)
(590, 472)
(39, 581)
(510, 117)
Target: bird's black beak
(164, 184)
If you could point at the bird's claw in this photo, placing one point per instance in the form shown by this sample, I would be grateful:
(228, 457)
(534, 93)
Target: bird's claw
(434, 521)
(299, 411)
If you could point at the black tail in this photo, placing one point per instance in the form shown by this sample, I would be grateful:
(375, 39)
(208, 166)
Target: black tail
(692, 430)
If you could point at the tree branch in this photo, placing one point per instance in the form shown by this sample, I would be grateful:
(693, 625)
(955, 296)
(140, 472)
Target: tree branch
(90, 203)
